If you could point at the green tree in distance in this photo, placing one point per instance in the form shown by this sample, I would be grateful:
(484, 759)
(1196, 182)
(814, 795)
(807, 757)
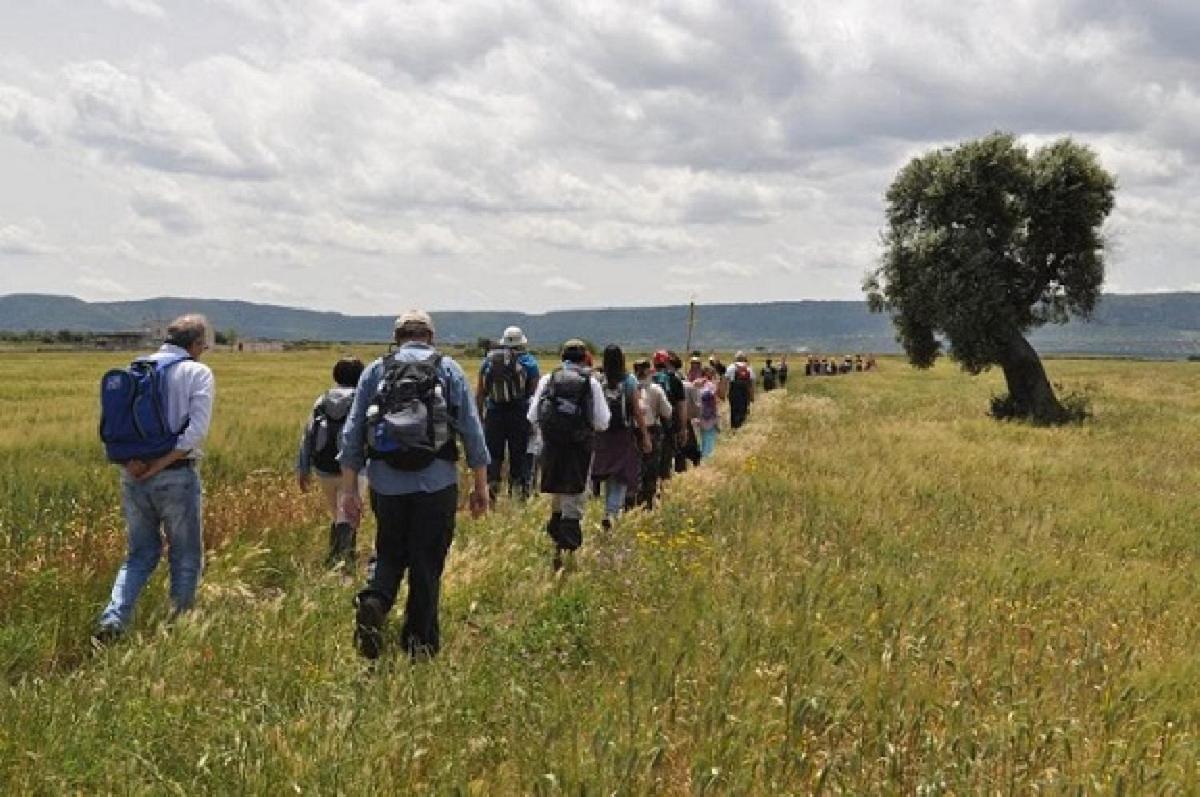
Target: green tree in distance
(985, 242)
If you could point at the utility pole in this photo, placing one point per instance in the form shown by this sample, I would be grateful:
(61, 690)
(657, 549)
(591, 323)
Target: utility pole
(691, 325)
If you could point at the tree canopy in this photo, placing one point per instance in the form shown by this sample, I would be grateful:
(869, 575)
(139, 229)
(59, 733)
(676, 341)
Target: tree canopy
(985, 241)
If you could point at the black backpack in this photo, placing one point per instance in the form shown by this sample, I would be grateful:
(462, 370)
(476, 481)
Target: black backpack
(565, 407)
(409, 422)
(325, 430)
(618, 404)
(505, 381)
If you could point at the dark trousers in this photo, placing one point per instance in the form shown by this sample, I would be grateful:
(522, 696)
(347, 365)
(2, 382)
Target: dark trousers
(689, 453)
(506, 427)
(651, 463)
(739, 407)
(666, 455)
(413, 536)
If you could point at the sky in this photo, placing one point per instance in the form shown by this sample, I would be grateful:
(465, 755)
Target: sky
(367, 156)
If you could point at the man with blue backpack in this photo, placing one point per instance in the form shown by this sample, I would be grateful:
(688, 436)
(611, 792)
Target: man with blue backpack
(507, 379)
(410, 409)
(153, 417)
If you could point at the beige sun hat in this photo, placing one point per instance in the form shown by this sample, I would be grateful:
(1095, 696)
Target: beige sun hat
(415, 320)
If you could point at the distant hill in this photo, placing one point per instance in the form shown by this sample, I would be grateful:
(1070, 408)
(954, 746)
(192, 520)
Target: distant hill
(1158, 325)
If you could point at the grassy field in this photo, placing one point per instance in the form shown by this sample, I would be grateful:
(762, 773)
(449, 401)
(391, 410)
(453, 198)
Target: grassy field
(872, 588)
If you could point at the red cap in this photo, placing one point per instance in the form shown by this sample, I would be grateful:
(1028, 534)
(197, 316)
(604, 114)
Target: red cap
(661, 357)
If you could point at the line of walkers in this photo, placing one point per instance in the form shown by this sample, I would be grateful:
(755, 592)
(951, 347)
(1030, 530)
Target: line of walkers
(817, 365)
(397, 425)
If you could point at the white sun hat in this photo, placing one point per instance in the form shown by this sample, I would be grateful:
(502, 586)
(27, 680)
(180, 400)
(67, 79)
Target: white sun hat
(513, 336)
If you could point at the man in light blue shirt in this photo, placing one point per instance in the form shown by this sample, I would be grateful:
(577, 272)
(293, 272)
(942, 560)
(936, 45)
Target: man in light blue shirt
(161, 498)
(414, 507)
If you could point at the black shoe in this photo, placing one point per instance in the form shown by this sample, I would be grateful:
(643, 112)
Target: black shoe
(368, 627)
(607, 523)
(342, 539)
(106, 635)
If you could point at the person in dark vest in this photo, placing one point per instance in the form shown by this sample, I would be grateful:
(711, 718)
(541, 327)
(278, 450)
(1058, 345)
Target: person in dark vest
(657, 411)
(619, 448)
(319, 447)
(769, 377)
(739, 378)
(411, 408)
(783, 371)
(569, 408)
(675, 432)
(689, 451)
(507, 379)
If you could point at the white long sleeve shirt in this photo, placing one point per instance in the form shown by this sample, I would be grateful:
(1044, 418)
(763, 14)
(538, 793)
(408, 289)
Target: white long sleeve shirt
(656, 408)
(600, 412)
(190, 392)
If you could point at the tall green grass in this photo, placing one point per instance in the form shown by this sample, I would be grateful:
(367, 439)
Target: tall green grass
(874, 587)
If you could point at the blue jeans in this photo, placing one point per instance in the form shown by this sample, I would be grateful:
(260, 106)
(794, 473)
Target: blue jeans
(166, 505)
(614, 496)
(708, 442)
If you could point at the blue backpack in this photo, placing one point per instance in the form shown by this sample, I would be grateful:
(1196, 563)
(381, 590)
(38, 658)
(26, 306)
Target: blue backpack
(133, 411)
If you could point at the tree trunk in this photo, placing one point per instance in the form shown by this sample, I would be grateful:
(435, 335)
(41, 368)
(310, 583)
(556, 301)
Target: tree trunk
(1028, 388)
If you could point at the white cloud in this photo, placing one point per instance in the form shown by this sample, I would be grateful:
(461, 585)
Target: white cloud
(560, 283)
(27, 239)
(609, 237)
(345, 233)
(146, 8)
(135, 118)
(167, 209)
(30, 118)
(96, 284)
(719, 268)
(271, 289)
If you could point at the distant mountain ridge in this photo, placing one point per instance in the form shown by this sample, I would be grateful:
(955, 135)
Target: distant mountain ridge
(1160, 324)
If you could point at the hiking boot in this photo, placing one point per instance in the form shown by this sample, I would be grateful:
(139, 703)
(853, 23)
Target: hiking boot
(106, 635)
(342, 537)
(606, 523)
(368, 626)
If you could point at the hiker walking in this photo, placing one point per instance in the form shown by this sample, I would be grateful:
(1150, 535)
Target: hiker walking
(656, 411)
(410, 409)
(689, 450)
(506, 382)
(569, 408)
(769, 377)
(153, 419)
(740, 389)
(783, 372)
(619, 448)
(319, 447)
(675, 431)
(708, 420)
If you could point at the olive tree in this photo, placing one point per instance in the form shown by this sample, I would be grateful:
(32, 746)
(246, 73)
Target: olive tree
(984, 242)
